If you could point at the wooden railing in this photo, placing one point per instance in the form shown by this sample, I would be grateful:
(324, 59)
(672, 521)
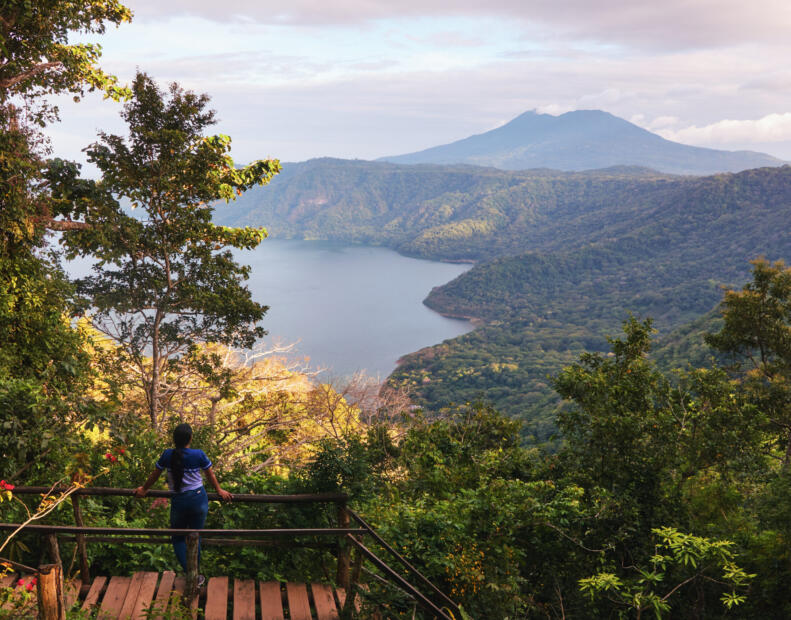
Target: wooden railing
(347, 538)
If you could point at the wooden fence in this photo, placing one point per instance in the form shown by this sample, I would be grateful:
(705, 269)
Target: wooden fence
(50, 583)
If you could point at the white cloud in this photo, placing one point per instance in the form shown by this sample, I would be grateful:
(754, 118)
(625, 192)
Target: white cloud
(768, 129)
(661, 122)
(554, 109)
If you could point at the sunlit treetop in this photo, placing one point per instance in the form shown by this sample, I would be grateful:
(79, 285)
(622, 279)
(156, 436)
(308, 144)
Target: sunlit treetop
(36, 58)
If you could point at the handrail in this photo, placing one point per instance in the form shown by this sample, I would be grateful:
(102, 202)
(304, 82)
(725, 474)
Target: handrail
(149, 531)
(425, 602)
(297, 498)
(18, 566)
(81, 533)
(405, 563)
(344, 532)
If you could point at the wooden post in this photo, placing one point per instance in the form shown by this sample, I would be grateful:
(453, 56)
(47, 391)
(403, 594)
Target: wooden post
(50, 592)
(82, 551)
(342, 576)
(54, 550)
(191, 587)
(348, 605)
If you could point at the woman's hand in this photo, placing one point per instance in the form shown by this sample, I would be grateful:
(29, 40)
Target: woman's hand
(140, 492)
(226, 497)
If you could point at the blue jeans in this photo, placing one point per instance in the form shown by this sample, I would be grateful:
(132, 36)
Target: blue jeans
(188, 510)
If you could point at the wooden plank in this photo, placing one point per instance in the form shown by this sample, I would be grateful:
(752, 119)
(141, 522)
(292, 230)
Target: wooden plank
(114, 597)
(131, 596)
(72, 593)
(26, 610)
(298, 603)
(324, 602)
(159, 605)
(243, 599)
(270, 600)
(92, 598)
(145, 597)
(8, 582)
(217, 599)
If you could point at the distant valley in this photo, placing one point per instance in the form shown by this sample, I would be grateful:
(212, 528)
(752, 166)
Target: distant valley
(561, 257)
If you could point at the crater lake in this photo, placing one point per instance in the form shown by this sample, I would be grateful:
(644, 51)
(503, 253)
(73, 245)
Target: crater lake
(348, 308)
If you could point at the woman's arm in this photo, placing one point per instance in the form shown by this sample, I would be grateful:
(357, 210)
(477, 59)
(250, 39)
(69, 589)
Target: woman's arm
(152, 478)
(213, 479)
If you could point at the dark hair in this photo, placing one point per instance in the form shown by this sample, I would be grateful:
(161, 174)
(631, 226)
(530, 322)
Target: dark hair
(181, 437)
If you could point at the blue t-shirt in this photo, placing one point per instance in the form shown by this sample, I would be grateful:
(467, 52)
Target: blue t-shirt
(194, 462)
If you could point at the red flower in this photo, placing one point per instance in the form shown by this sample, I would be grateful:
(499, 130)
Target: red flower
(108, 456)
(6, 485)
(121, 451)
(34, 580)
(29, 587)
(160, 501)
(113, 459)
(21, 582)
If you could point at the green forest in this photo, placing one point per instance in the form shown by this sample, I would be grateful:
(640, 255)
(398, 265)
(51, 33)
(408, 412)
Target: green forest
(553, 472)
(560, 258)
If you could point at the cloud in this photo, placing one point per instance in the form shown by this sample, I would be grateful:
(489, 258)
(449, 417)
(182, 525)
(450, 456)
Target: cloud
(449, 38)
(768, 129)
(660, 122)
(672, 24)
(772, 82)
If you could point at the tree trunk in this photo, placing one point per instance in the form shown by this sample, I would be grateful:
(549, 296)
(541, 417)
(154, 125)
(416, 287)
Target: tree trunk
(153, 390)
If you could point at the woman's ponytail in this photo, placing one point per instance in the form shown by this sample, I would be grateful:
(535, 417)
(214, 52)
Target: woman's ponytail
(181, 437)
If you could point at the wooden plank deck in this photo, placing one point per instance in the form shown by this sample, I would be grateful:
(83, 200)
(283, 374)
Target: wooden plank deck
(148, 595)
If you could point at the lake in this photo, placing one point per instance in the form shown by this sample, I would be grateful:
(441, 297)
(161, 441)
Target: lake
(349, 308)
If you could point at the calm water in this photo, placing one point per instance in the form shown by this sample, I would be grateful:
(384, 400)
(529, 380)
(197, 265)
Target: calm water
(349, 308)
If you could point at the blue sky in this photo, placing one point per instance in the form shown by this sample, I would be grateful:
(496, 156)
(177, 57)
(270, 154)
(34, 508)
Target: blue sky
(367, 78)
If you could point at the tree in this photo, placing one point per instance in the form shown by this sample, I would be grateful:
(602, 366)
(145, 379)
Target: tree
(757, 334)
(37, 61)
(44, 371)
(165, 279)
(645, 441)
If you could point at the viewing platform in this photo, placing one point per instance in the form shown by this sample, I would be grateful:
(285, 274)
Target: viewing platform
(148, 595)
(151, 596)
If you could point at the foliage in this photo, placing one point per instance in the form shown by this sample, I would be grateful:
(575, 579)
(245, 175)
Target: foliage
(38, 58)
(166, 280)
(679, 560)
(44, 368)
(560, 258)
(756, 335)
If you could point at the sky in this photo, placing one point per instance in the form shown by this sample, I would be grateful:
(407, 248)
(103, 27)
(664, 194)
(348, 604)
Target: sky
(369, 78)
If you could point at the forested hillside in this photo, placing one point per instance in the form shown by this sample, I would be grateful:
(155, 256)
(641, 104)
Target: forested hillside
(562, 257)
(439, 212)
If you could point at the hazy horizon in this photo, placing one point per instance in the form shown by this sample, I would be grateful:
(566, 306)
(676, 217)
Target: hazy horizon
(369, 79)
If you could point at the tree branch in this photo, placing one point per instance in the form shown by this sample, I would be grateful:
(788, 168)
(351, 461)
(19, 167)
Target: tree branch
(64, 225)
(13, 81)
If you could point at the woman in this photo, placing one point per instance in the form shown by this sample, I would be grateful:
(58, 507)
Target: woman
(190, 504)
